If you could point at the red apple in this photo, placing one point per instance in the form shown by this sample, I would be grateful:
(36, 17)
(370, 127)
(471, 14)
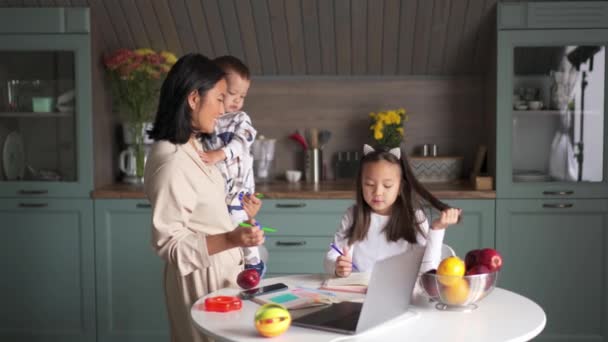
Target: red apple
(430, 283)
(471, 258)
(490, 258)
(248, 279)
(478, 269)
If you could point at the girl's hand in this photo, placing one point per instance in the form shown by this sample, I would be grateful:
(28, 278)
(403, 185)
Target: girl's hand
(344, 264)
(212, 157)
(247, 236)
(448, 217)
(251, 205)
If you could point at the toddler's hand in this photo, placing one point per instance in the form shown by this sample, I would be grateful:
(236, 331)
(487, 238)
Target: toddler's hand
(448, 217)
(251, 205)
(247, 236)
(344, 264)
(212, 157)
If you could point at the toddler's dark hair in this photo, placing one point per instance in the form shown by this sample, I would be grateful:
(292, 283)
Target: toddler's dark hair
(232, 64)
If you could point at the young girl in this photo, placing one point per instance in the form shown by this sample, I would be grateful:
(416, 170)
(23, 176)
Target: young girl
(387, 216)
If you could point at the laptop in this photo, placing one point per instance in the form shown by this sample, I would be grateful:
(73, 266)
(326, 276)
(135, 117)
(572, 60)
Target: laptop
(388, 296)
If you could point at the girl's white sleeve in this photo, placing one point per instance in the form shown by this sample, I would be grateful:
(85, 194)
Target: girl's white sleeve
(242, 140)
(340, 240)
(433, 243)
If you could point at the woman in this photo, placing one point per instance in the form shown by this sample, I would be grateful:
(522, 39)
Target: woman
(191, 228)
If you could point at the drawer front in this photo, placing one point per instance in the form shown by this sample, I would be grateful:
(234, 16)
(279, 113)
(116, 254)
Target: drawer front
(304, 218)
(296, 254)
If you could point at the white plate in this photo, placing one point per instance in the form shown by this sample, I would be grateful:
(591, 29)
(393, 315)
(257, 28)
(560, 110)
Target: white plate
(13, 157)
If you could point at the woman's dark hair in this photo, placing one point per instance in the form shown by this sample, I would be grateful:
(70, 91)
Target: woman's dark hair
(403, 223)
(173, 120)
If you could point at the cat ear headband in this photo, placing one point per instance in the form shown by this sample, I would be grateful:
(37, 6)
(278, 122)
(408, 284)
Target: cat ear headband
(396, 151)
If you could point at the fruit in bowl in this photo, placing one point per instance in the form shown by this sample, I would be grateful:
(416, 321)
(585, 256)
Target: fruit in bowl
(458, 285)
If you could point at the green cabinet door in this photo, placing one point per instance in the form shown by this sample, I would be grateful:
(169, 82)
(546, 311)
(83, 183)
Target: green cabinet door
(305, 229)
(130, 295)
(556, 253)
(476, 229)
(47, 287)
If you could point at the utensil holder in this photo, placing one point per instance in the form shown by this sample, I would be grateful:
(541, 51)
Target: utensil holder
(313, 165)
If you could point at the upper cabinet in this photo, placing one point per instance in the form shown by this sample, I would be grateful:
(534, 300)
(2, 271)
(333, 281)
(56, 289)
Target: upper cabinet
(551, 100)
(45, 103)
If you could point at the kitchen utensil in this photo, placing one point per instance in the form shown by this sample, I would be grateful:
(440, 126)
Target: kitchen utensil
(314, 138)
(324, 136)
(297, 137)
(293, 176)
(313, 164)
(13, 157)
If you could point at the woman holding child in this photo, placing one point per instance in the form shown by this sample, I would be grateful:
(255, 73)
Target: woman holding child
(191, 228)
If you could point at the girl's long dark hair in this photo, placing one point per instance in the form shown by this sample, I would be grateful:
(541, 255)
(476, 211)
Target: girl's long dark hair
(403, 223)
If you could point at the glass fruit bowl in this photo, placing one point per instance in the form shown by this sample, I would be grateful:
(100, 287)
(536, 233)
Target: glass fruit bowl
(457, 293)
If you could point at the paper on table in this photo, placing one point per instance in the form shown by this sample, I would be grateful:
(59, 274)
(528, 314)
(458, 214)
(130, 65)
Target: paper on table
(356, 282)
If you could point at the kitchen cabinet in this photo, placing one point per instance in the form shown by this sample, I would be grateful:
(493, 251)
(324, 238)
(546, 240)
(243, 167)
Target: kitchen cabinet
(47, 256)
(45, 103)
(551, 169)
(555, 252)
(306, 227)
(130, 294)
(551, 101)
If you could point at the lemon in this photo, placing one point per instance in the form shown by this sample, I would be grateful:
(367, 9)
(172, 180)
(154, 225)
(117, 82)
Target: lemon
(457, 293)
(450, 270)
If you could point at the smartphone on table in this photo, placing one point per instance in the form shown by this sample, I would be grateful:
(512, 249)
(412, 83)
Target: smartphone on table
(258, 291)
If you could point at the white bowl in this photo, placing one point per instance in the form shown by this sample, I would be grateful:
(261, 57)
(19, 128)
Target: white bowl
(293, 175)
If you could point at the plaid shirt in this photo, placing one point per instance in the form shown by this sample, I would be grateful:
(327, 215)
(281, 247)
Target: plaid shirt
(234, 134)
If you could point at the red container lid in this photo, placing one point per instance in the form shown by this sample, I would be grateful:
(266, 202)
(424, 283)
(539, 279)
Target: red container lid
(223, 303)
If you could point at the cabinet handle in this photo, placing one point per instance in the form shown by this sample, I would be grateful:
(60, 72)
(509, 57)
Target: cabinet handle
(143, 206)
(558, 193)
(558, 205)
(290, 205)
(290, 243)
(32, 192)
(33, 205)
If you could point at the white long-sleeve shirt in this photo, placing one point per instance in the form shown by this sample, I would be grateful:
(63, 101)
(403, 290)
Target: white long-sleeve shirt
(375, 247)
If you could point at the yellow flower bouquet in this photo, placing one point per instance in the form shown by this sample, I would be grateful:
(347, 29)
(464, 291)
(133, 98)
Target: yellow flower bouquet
(387, 127)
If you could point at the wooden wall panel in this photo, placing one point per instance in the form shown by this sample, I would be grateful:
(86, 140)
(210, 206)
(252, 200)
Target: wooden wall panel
(375, 12)
(249, 37)
(295, 33)
(328, 37)
(264, 32)
(310, 20)
(231, 28)
(439, 32)
(183, 27)
(276, 8)
(200, 28)
(454, 37)
(167, 26)
(343, 37)
(407, 30)
(215, 27)
(359, 36)
(135, 22)
(422, 36)
(390, 39)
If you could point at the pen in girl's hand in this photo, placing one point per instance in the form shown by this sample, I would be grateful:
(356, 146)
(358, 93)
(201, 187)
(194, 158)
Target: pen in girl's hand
(266, 229)
(335, 248)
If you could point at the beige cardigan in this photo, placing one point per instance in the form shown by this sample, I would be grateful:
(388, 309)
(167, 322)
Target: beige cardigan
(187, 198)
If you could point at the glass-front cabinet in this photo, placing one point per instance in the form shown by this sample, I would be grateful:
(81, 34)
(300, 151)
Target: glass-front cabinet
(552, 123)
(45, 106)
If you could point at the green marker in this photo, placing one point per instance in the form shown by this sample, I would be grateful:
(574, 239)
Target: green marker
(266, 229)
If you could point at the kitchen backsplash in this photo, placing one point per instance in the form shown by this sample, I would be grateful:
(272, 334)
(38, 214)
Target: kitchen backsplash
(448, 112)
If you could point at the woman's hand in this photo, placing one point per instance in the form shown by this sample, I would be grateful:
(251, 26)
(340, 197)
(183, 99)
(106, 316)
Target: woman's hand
(448, 217)
(344, 264)
(251, 205)
(247, 236)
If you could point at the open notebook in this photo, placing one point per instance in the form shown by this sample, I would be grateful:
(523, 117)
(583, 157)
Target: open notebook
(294, 298)
(356, 282)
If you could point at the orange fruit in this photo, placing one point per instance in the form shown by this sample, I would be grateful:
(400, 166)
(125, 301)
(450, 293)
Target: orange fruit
(457, 293)
(450, 270)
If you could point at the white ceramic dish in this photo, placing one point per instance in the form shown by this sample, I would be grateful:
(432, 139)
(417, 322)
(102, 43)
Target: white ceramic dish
(13, 157)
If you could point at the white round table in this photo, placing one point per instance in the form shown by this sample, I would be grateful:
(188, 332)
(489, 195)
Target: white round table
(502, 316)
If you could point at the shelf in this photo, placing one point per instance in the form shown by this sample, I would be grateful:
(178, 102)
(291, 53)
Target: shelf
(21, 115)
(537, 112)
